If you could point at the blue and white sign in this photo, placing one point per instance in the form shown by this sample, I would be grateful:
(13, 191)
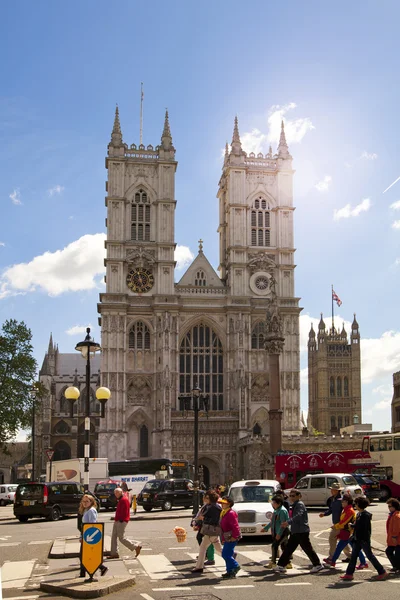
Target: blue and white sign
(92, 535)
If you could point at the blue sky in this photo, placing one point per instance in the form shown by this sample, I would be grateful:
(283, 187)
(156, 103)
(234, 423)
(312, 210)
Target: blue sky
(329, 70)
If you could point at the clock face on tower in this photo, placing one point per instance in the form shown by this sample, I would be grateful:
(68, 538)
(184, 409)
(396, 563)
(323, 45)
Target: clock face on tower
(140, 280)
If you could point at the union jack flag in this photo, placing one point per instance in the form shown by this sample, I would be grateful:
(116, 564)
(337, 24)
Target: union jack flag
(336, 298)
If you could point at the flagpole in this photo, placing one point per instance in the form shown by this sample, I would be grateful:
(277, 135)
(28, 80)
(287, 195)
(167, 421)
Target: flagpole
(333, 322)
(141, 114)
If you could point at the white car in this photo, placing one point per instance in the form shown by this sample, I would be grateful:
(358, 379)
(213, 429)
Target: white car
(315, 488)
(7, 493)
(252, 502)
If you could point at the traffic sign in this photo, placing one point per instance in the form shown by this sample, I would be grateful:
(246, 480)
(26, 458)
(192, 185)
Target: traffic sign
(50, 454)
(92, 546)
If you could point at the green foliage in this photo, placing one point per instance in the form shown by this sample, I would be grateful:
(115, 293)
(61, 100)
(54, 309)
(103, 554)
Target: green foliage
(17, 373)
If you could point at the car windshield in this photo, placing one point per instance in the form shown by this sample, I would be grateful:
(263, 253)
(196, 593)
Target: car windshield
(105, 487)
(30, 491)
(252, 493)
(362, 479)
(12, 488)
(152, 485)
(349, 480)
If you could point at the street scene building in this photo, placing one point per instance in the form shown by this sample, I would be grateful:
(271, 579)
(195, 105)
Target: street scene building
(160, 338)
(334, 378)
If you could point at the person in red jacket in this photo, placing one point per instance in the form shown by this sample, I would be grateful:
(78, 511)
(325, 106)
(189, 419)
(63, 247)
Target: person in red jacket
(393, 533)
(121, 520)
(230, 535)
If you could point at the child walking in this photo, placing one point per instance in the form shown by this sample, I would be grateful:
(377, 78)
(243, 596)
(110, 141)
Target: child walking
(279, 533)
(362, 541)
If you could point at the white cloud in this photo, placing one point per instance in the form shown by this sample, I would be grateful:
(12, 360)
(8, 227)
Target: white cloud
(395, 205)
(396, 225)
(183, 257)
(347, 211)
(324, 184)
(380, 356)
(16, 197)
(2, 244)
(384, 389)
(369, 155)
(71, 217)
(57, 189)
(295, 129)
(74, 268)
(78, 329)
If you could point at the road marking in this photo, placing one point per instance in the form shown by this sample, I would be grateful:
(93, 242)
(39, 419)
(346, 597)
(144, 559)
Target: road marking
(40, 542)
(158, 566)
(394, 580)
(299, 583)
(22, 597)
(15, 574)
(10, 544)
(180, 548)
(147, 597)
(227, 587)
(171, 589)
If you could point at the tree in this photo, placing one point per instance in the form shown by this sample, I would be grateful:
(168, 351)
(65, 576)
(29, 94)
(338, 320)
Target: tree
(17, 374)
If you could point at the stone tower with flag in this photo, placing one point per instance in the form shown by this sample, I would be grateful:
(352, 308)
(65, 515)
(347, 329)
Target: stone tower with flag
(334, 378)
(160, 338)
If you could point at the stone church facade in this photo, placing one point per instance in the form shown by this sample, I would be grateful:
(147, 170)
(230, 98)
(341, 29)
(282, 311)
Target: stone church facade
(161, 338)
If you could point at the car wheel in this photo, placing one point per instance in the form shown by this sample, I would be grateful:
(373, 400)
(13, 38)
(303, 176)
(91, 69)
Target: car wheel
(385, 494)
(167, 505)
(2, 502)
(23, 519)
(55, 514)
(147, 508)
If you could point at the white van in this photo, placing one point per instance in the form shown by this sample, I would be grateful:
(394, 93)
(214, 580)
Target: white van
(315, 488)
(7, 493)
(252, 502)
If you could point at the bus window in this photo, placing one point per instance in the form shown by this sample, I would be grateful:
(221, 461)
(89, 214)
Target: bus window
(397, 443)
(365, 445)
(384, 444)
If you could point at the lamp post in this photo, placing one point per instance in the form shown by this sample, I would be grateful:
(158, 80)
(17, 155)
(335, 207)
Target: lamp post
(32, 394)
(88, 348)
(196, 407)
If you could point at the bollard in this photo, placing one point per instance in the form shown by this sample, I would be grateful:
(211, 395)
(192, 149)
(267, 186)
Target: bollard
(134, 504)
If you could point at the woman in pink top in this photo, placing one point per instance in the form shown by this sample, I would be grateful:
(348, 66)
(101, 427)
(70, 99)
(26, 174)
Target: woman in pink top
(230, 536)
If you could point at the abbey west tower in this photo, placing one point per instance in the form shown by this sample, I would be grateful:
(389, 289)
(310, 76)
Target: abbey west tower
(161, 338)
(334, 378)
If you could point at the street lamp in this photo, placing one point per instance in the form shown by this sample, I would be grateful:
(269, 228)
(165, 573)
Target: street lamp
(198, 401)
(32, 393)
(88, 348)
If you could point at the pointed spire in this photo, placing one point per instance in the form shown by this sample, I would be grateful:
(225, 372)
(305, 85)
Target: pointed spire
(75, 383)
(166, 138)
(311, 334)
(51, 345)
(236, 146)
(200, 246)
(226, 153)
(116, 135)
(321, 324)
(270, 151)
(283, 149)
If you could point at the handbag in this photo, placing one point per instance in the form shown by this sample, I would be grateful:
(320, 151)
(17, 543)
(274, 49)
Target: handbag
(211, 530)
(344, 534)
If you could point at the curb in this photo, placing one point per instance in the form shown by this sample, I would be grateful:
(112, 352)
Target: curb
(76, 588)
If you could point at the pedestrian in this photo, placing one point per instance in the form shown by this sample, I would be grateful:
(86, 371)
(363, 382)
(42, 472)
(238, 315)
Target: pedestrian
(210, 528)
(393, 533)
(230, 535)
(299, 535)
(343, 532)
(282, 494)
(196, 525)
(121, 520)
(362, 541)
(334, 504)
(87, 509)
(280, 534)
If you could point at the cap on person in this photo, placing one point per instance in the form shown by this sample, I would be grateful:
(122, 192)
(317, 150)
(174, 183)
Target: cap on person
(335, 486)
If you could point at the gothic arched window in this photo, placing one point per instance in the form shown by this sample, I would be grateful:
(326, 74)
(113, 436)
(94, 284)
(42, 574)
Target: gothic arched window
(339, 386)
(340, 422)
(346, 386)
(61, 428)
(258, 336)
(260, 223)
(331, 386)
(140, 217)
(256, 429)
(346, 421)
(201, 362)
(200, 279)
(94, 404)
(333, 423)
(62, 451)
(143, 442)
(139, 336)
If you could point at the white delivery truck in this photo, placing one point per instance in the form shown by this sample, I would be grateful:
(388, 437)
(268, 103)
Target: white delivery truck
(73, 469)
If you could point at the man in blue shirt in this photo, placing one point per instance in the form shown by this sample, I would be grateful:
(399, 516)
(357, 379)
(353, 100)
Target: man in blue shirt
(335, 508)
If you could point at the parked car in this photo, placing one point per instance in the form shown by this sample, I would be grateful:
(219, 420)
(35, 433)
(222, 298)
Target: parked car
(252, 500)
(370, 486)
(48, 500)
(166, 493)
(104, 491)
(315, 488)
(7, 493)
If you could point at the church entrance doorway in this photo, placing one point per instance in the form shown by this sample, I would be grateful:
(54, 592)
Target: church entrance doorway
(204, 474)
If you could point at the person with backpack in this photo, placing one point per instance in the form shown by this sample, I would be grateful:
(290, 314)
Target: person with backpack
(279, 533)
(343, 532)
(334, 504)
